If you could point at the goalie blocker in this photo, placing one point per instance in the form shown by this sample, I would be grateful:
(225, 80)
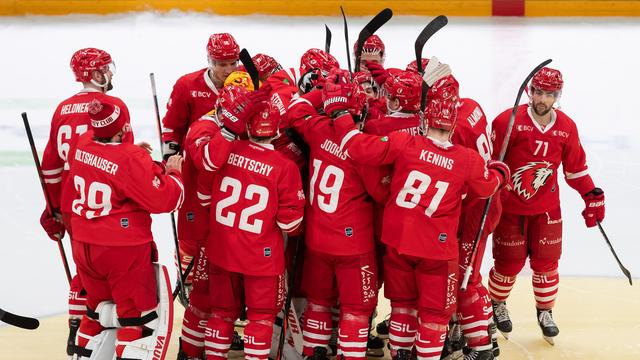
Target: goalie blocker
(157, 325)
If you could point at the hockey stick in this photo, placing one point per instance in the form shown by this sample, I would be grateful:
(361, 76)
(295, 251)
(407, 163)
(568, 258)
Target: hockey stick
(287, 317)
(503, 152)
(432, 27)
(180, 280)
(368, 30)
(247, 61)
(19, 321)
(47, 199)
(327, 39)
(176, 291)
(624, 269)
(346, 37)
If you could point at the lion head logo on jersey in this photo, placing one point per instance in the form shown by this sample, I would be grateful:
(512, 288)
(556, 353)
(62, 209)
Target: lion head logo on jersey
(528, 179)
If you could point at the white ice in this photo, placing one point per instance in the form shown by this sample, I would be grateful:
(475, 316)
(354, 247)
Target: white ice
(489, 56)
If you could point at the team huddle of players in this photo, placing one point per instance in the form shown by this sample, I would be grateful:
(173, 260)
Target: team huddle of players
(368, 183)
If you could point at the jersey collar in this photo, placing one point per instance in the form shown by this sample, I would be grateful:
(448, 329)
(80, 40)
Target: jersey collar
(538, 126)
(209, 82)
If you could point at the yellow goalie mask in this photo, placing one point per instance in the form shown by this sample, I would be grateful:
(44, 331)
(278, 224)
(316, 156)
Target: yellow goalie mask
(239, 78)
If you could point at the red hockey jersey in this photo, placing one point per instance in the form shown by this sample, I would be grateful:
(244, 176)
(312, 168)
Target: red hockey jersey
(193, 95)
(428, 180)
(112, 190)
(534, 155)
(255, 196)
(397, 121)
(70, 120)
(341, 192)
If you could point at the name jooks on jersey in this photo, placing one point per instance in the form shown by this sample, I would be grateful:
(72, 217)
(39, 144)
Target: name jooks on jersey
(436, 159)
(96, 161)
(249, 164)
(333, 149)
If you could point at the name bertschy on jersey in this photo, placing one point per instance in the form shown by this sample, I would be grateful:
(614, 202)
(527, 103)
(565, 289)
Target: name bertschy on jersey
(436, 159)
(74, 108)
(96, 161)
(249, 164)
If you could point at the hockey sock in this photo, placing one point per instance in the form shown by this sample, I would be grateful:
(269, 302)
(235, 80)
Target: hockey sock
(473, 319)
(500, 285)
(126, 335)
(193, 326)
(403, 326)
(545, 288)
(218, 336)
(88, 329)
(353, 335)
(317, 327)
(430, 340)
(257, 339)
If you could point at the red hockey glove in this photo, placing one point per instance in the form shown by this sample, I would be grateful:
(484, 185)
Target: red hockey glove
(378, 72)
(52, 225)
(503, 169)
(336, 92)
(261, 94)
(593, 212)
(234, 117)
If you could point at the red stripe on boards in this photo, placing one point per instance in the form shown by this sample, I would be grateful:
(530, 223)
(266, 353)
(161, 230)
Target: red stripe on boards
(507, 7)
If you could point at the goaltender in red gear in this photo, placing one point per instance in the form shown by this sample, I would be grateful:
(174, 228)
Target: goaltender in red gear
(542, 139)
(421, 219)
(115, 187)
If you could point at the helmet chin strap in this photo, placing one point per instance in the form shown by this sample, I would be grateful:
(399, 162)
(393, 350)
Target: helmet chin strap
(105, 85)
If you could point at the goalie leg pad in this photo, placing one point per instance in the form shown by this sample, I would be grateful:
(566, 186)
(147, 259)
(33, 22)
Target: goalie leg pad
(94, 342)
(147, 336)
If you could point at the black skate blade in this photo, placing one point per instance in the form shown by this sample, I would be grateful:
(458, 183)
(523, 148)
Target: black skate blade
(505, 334)
(548, 339)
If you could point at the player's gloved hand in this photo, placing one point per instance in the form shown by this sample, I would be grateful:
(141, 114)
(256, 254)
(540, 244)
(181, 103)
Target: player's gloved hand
(312, 79)
(261, 94)
(593, 212)
(235, 116)
(169, 148)
(336, 93)
(53, 226)
(174, 164)
(503, 169)
(378, 72)
(434, 71)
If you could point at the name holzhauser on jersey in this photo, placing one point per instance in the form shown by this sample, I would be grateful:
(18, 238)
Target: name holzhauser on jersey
(96, 161)
(249, 164)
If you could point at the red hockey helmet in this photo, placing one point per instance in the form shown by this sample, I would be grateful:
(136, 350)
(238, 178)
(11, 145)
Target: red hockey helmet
(266, 121)
(85, 61)
(373, 45)
(442, 101)
(413, 66)
(107, 119)
(362, 77)
(231, 100)
(547, 79)
(317, 59)
(445, 88)
(406, 86)
(222, 47)
(266, 65)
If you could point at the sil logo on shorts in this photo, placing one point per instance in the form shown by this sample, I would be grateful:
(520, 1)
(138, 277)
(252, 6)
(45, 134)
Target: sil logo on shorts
(267, 252)
(442, 237)
(124, 222)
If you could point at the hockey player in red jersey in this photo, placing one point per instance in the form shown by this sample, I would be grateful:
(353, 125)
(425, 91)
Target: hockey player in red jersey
(266, 65)
(204, 152)
(94, 69)
(256, 196)
(542, 139)
(340, 262)
(474, 306)
(194, 95)
(429, 178)
(115, 187)
(373, 50)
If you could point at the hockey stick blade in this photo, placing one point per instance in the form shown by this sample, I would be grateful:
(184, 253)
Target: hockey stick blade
(346, 37)
(376, 23)
(503, 152)
(624, 269)
(247, 61)
(429, 30)
(327, 39)
(19, 321)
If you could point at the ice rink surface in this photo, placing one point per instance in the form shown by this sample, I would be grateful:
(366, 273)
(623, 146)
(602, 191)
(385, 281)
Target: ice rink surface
(489, 56)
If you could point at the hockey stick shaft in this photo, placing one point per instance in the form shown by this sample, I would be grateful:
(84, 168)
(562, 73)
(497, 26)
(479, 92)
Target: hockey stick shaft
(287, 305)
(429, 30)
(181, 276)
(503, 152)
(624, 269)
(247, 61)
(346, 37)
(376, 23)
(327, 39)
(19, 321)
(47, 198)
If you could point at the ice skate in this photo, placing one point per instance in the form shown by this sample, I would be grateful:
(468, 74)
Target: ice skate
(547, 325)
(319, 353)
(403, 354)
(479, 355)
(501, 318)
(375, 346)
(383, 329)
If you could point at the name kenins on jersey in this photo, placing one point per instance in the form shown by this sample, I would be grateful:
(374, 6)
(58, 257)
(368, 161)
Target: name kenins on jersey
(96, 161)
(436, 159)
(249, 164)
